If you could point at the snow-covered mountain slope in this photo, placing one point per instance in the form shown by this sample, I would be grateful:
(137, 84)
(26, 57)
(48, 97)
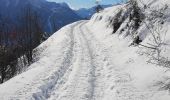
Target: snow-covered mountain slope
(85, 61)
(88, 12)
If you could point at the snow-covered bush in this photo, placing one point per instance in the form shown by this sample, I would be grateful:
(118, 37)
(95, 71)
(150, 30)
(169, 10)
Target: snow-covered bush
(128, 20)
(117, 21)
(157, 14)
(155, 24)
(136, 17)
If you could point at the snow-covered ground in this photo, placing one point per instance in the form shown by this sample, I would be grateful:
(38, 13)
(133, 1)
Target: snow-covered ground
(85, 61)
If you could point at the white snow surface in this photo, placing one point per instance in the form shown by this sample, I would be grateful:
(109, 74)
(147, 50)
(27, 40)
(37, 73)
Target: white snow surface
(85, 61)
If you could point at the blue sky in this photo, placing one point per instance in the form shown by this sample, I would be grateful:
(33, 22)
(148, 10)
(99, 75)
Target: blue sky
(76, 4)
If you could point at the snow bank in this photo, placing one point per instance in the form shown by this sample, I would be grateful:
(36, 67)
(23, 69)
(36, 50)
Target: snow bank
(149, 78)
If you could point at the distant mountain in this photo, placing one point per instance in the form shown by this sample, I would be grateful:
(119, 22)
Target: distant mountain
(88, 12)
(49, 12)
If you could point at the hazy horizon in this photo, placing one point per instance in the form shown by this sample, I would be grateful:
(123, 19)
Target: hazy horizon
(77, 4)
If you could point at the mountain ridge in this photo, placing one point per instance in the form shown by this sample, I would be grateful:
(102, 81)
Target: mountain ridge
(88, 12)
(48, 12)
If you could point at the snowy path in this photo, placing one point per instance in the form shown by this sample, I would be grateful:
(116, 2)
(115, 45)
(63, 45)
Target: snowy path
(75, 66)
(82, 82)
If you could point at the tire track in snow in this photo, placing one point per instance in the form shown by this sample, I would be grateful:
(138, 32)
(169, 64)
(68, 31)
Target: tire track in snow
(95, 72)
(86, 81)
(80, 84)
(81, 81)
(64, 81)
(101, 63)
(93, 67)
